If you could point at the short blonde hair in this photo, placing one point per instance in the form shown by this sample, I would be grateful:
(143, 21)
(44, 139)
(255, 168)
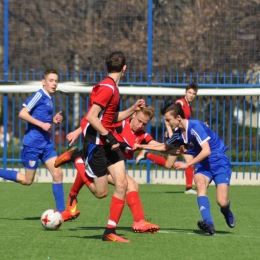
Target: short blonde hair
(148, 111)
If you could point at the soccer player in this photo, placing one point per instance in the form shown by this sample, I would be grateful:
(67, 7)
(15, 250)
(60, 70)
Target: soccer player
(210, 162)
(101, 148)
(37, 111)
(185, 102)
(128, 132)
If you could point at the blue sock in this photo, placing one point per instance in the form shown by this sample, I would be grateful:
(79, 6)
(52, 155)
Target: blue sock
(225, 210)
(204, 207)
(9, 175)
(57, 189)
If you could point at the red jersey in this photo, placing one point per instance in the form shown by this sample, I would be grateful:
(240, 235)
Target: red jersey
(124, 134)
(186, 107)
(106, 95)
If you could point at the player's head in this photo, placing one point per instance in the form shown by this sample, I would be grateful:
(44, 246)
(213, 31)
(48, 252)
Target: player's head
(116, 62)
(141, 118)
(50, 80)
(173, 114)
(191, 91)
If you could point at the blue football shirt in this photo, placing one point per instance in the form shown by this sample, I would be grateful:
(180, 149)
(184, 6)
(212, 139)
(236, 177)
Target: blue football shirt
(198, 133)
(40, 107)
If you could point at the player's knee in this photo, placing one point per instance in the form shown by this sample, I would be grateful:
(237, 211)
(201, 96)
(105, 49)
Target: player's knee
(26, 182)
(57, 175)
(201, 187)
(222, 202)
(168, 165)
(121, 185)
(132, 186)
(101, 195)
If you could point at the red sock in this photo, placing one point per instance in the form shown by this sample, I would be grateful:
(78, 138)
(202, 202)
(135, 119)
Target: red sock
(116, 209)
(135, 205)
(88, 180)
(77, 185)
(156, 159)
(189, 177)
(80, 166)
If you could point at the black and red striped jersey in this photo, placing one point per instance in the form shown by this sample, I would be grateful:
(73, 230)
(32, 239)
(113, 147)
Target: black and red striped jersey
(106, 95)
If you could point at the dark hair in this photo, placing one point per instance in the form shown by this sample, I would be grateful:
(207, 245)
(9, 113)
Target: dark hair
(115, 61)
(194, 86)
(50, 71)
(175, 109)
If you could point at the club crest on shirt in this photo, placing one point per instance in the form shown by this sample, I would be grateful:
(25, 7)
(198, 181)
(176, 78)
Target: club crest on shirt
(32, 163)
(136, 140)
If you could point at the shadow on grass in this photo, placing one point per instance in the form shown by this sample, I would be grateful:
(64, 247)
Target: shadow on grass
(29, 218)
(197, 231)
(99, 228)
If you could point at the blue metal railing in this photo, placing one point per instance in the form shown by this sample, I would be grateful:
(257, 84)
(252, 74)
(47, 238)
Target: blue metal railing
(239, 132)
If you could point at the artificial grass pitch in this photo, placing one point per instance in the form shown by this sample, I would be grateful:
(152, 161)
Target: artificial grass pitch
(23, 237)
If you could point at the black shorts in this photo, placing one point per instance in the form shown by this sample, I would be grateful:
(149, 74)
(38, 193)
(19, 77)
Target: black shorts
(99, 157)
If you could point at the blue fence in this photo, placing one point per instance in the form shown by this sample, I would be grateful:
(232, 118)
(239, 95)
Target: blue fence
(234, 118)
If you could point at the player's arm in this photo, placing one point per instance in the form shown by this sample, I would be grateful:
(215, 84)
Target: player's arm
(205, 152)
(122, 115)
(92, 118)
(160, 147)
(73, 136)
(25, 115)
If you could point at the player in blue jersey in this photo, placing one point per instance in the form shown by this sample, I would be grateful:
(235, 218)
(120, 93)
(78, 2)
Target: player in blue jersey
(208, 156)
(38, 112)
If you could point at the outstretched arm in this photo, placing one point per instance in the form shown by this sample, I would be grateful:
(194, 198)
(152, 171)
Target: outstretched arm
(159, 147)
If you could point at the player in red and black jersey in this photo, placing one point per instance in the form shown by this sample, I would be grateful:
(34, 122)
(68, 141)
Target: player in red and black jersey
(128, 133)
(101, 149)
(185, 102)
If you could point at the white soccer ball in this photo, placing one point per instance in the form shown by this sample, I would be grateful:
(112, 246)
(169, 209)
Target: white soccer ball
(51, 219)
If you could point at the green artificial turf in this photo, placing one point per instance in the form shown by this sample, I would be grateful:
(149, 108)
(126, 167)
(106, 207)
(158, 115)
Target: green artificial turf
(23, 237)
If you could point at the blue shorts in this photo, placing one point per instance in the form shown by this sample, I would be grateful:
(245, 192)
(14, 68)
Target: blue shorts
(32, 155)
(216, 168)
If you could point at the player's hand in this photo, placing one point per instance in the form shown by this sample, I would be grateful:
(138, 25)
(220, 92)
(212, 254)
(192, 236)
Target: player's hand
(46, 126)
(180, 165)
(72, 137)
(114, 147)
(140, 103)
(183, 149)
(137, 146)
(57, 119)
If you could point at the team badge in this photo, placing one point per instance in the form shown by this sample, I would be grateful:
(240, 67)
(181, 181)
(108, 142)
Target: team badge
(32, 163)
(136, 140)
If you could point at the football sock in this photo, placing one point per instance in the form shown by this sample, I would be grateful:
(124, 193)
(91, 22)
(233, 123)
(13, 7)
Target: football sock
(77, 185)
(58, 192)
(156, 159)
(189, 177)
(80, 166)
(116, 209)
(135, 205)
(204, 207)
(9, 175)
